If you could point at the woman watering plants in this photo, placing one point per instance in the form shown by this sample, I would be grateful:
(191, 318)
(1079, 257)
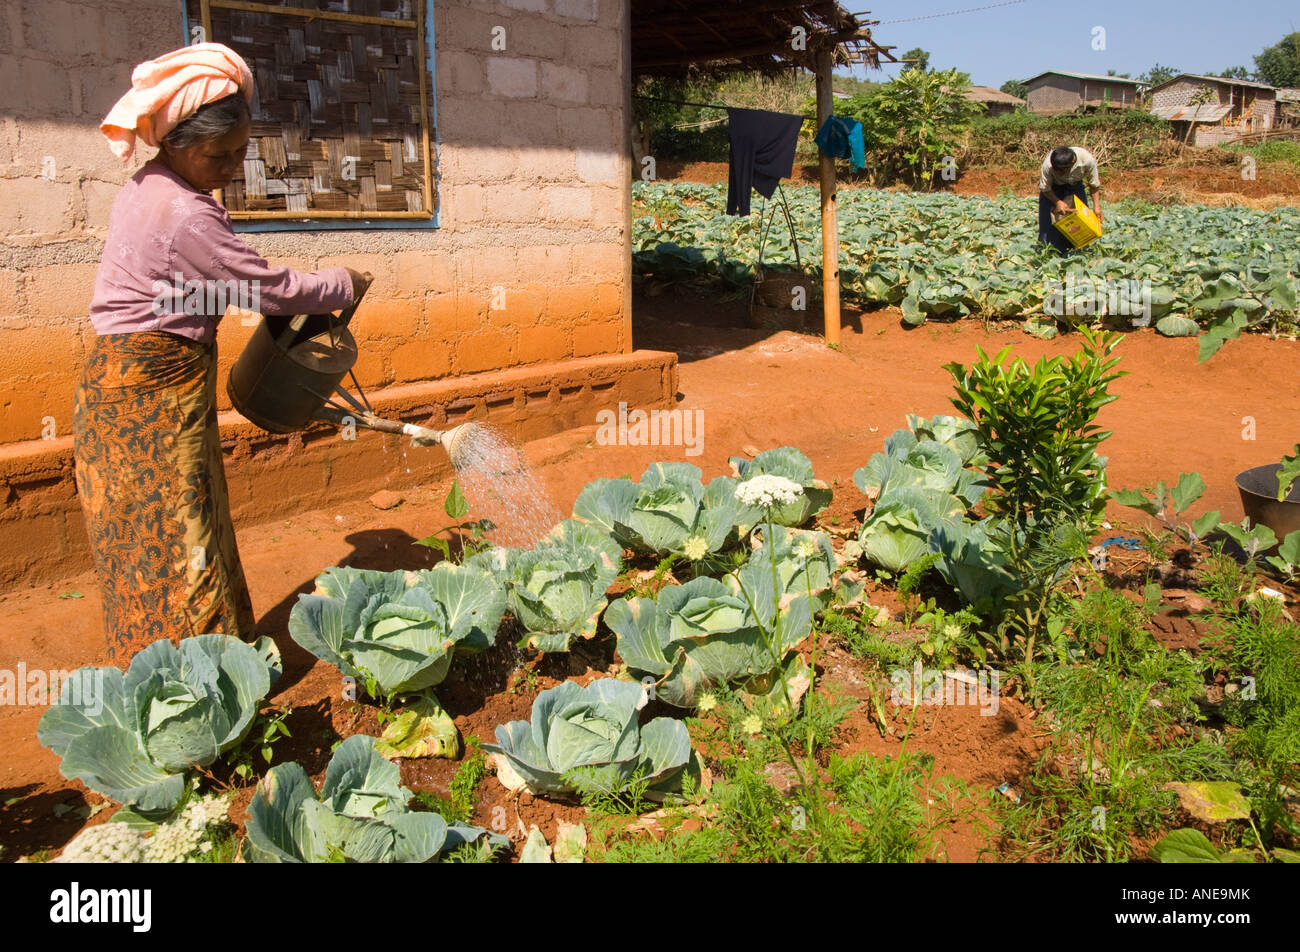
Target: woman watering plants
(147, 449)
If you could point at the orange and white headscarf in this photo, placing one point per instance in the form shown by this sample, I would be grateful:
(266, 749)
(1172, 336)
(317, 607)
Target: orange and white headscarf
(168, 90)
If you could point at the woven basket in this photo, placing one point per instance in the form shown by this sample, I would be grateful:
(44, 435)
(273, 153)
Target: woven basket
(777, 290)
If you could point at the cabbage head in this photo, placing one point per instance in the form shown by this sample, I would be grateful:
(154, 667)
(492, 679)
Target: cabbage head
(924, 464)
(359, 816)
(557, 589)
(400, 628)
(134, 736)
(957, 433)
(898, 531)
(793, 465)
(973, 562)
(706, 633)
(669, 510)
(588, 739)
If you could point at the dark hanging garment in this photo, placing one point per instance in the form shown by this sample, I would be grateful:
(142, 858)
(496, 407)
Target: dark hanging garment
(762, 153)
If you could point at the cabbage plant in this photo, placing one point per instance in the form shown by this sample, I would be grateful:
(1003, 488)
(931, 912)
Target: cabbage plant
(135, 736)
(972, 560)
(706, 633)
(930, 465)
(795, 466)
(360, 814)
(669, 510)
(557, 589)
(583, 739)
(898, 531)
(957, 433)
(401, 629)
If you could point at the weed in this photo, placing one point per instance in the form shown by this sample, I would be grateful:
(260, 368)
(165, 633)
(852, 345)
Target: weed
(605, 796)
(1262, 647)
(268, 727)
(951, 636)
(480, 851)
(523, 680)
(1114, 730)
(909, 584)
(864, 642)
(860, 809)
(1105, 622)
(1222, 579)
(469, 538)
(458, 806)
(226, 844)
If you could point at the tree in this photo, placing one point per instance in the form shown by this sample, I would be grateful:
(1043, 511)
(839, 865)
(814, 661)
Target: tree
(1159, 74)
(1111, 72)
(1014, 87)
(917, 58)
(1279, 65)
(1233, 72)
(655, 118)
(913, 123)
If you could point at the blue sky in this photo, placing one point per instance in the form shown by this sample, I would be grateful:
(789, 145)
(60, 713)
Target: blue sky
(1019, 41)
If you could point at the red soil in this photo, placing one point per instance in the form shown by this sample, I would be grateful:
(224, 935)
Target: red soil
(1203, 177)
(757, 390)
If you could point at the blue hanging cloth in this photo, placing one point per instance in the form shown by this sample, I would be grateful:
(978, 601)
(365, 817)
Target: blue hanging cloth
(841, 138)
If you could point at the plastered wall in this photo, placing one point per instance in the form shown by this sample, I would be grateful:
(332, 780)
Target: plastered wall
(531, 264)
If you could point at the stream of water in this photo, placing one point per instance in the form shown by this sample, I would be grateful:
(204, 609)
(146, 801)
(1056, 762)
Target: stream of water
(500, 486)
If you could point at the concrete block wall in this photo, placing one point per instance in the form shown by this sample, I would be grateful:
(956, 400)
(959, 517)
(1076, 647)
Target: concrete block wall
(530, 270)
(531, 264)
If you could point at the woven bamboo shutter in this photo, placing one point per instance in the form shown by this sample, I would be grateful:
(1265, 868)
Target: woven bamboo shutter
(340, 110)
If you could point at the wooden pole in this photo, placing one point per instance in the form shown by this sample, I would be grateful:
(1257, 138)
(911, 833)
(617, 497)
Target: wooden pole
(830, 213)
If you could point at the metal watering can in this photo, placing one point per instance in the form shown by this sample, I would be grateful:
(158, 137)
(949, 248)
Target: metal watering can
(291, 371)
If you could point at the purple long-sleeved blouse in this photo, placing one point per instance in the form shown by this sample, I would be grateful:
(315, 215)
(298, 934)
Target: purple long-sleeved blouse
(172, 262)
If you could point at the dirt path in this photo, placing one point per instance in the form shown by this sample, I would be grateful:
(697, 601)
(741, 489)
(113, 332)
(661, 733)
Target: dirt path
(753, 389)
(1210, 177)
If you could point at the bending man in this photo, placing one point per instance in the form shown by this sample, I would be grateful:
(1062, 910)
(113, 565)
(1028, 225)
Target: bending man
(1064, 172)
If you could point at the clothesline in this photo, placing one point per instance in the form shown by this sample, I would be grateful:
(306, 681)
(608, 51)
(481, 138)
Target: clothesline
(702, 105)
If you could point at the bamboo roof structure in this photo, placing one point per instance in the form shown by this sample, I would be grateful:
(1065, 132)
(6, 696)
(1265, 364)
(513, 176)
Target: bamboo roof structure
(706, 39)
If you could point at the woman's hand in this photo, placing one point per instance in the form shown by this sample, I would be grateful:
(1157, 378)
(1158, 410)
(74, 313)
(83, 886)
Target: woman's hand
(359, 283)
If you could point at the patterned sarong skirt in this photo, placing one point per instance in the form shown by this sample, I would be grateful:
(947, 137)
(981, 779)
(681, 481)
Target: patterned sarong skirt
(153, 490)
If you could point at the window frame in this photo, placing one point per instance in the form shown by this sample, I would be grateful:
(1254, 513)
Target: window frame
(434, 179)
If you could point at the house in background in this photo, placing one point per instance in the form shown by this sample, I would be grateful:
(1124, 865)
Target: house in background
(1056, 92)
(1288, 108)
(1215, 108)
(994, 101)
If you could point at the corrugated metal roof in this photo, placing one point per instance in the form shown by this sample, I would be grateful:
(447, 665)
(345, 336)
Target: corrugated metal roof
(1062, 72)
(1215, 79)
(1205, 112)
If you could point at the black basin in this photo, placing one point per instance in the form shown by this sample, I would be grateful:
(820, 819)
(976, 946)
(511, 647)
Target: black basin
(1258, 489)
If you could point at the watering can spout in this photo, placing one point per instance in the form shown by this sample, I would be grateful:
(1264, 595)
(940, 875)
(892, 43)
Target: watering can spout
(454, 441)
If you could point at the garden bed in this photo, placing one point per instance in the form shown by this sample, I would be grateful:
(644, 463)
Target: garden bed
(1170, 417)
